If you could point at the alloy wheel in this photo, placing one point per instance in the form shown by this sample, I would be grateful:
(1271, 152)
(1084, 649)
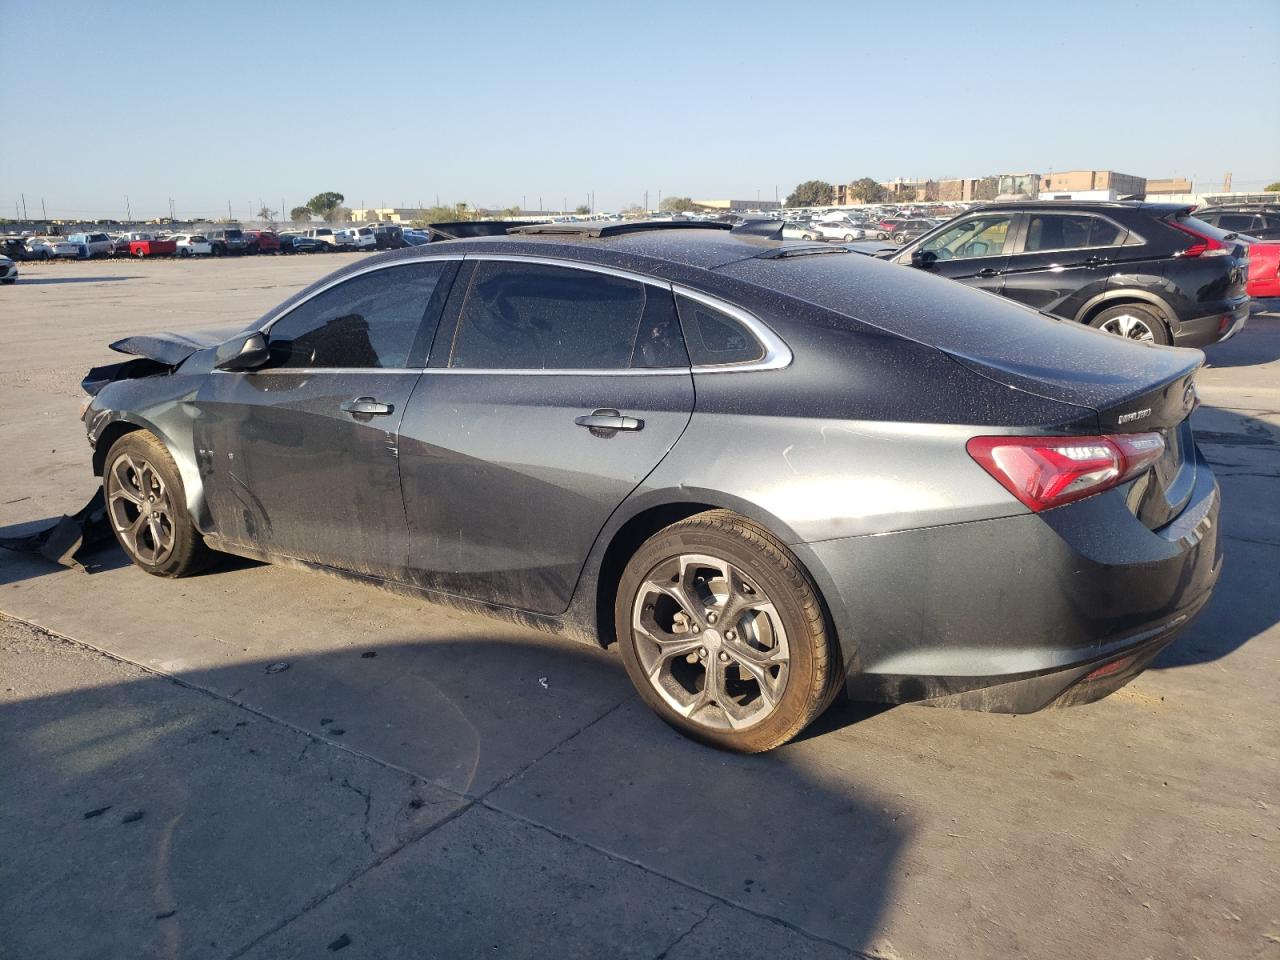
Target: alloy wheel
(1130, 327)
(141, 509)
(711, 642)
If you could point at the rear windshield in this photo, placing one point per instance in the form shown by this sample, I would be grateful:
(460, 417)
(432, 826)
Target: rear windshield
(1199, 226)
(234, 234)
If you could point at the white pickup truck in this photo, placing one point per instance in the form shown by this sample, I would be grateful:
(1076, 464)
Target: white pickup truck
(330, 239)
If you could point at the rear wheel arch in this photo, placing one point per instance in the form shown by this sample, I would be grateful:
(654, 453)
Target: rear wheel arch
(632, 534)
(1118, 299)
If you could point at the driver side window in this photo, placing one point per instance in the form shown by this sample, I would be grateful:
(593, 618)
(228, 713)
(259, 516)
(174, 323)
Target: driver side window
(372, 320)
(976, 237)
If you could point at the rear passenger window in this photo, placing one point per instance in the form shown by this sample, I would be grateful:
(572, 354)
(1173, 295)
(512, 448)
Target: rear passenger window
(539, 317)
(372, 320)
(1059, 231)
(716, 338)
(1242, 222)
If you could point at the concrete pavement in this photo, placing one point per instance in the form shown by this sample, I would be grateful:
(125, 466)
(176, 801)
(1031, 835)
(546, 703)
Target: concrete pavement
(428, 783)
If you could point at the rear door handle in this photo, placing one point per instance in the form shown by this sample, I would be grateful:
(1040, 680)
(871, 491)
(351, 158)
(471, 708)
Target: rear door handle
(607, 421)
(989, 272)
(366, 407)
(1097, 261)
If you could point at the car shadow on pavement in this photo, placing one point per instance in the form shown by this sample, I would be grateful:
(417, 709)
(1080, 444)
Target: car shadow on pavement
(1260, 347)
(28, 280)
(1244, 454)
(144, 817)
(17, 566)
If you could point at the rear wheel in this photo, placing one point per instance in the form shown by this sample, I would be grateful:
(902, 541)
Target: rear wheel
(147, 508)
(1133, 322)
(723, 634)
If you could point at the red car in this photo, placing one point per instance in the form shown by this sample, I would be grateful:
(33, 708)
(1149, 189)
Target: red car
(262, 241)
(1264, 270)
(145, 245)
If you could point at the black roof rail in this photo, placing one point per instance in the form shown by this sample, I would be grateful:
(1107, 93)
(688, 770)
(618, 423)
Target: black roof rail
(589, 229)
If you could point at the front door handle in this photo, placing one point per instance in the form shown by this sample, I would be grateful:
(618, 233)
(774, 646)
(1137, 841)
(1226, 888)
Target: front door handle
(989, 272)
(606, 422)
(365, 407)
(1097, 261)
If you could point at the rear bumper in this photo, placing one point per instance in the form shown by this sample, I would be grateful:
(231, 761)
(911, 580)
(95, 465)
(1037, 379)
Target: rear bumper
(1014, 614)
(1223, 324)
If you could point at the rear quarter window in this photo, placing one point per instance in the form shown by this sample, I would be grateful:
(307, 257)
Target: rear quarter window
(714, 338)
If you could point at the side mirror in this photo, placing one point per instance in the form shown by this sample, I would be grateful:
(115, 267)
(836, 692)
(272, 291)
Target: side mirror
(923, 258)
(244, 352)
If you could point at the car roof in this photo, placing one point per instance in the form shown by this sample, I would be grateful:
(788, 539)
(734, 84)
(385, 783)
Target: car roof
(1148, 207)
(679, 244)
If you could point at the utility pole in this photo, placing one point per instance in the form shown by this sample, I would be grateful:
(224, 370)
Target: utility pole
(659, 199)
(24, 205)
(229, 216)
(128, 210)
(646, 199)
(44, 214)
(1226, 184)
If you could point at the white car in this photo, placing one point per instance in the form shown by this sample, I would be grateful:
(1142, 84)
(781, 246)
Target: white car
(47, 248)
(193, 245)
(798, 230)
(359, 238)
(838, 230)
(94, 244)
(8, 271)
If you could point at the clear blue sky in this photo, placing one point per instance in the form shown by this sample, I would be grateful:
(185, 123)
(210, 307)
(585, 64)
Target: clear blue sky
(497, 104)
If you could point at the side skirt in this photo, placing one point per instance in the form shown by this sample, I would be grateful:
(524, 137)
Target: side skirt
(558, 626)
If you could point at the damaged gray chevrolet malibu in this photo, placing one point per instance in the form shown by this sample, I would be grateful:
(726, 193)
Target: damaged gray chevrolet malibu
(768, 471)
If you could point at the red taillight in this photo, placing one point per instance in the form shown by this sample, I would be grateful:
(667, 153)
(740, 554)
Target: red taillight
(1045, 472)
(1203, 247)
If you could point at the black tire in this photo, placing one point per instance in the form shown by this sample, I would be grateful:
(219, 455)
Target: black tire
(764, 567)
(132, 468)
(1134, 322)
(184, 251)
(10, 281)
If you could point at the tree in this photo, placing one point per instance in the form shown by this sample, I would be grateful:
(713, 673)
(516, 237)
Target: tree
(300, 214)
(811, 193)
(905, 194)
(582, 208)
(269, 215)
(1273, 187)
(675, 204)
(326, 206)
(868, 191)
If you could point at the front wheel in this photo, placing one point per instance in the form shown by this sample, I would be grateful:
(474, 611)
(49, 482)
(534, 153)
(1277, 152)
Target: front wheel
(147, 508)
(848, 238)
(723, 634)
(1133, 322)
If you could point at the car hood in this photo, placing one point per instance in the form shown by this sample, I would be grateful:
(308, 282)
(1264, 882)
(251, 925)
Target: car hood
(172, 348)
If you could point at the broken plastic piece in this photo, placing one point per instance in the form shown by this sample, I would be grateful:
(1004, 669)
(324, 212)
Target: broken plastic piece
(67, 536)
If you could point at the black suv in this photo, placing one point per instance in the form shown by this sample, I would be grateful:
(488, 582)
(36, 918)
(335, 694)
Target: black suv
(1147, 271)
(1260, 222)
(228, 241)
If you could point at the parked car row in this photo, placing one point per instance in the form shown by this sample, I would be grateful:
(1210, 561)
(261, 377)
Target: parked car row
(224, 241)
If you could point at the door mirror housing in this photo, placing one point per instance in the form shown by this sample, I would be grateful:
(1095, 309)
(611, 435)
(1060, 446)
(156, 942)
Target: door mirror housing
(247, 351)
(923, 258)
